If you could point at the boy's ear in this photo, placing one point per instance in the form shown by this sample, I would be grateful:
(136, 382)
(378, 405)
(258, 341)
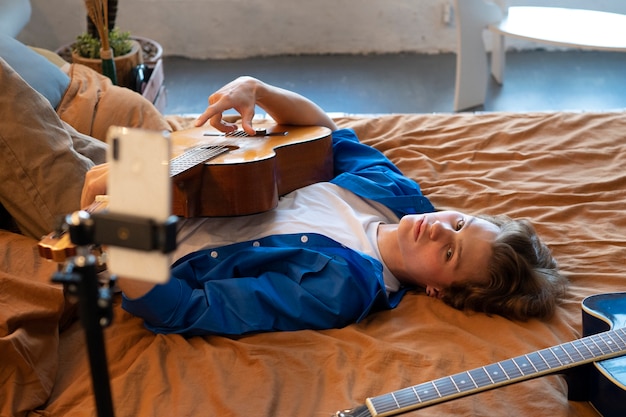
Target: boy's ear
(433, 292)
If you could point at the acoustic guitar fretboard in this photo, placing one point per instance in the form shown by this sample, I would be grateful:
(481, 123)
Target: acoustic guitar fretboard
(542, 362)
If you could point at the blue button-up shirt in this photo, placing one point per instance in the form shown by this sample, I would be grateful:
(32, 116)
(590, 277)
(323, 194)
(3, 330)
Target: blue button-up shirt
(286, 282)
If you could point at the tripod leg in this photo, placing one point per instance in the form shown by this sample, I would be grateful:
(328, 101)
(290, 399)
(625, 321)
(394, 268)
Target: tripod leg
(83, 282)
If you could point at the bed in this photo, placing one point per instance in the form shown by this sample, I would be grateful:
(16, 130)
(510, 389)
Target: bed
(563, 170)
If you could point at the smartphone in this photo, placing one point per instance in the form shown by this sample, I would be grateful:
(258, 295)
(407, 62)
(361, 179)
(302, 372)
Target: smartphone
(139, 188)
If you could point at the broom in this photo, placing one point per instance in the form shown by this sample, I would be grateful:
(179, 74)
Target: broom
(97, 10)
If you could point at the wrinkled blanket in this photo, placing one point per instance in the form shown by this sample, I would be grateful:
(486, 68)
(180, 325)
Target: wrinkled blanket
(564, 171)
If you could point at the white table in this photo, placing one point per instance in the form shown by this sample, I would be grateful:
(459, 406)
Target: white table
(570, 28)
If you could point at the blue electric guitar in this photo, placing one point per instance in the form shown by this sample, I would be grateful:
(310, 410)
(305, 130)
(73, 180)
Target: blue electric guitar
(594, 368)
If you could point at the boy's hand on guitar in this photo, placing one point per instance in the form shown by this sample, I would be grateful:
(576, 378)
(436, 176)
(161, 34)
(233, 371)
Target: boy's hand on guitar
(245, 93)
(95, 184)
(240, 95)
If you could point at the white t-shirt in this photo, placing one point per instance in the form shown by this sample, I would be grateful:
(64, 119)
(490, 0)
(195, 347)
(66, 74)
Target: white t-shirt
(322, 208)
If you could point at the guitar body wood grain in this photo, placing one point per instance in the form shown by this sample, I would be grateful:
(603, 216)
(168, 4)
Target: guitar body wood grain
(255, 171)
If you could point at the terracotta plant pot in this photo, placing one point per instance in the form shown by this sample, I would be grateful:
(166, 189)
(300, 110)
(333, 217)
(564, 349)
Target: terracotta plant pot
(123, 64)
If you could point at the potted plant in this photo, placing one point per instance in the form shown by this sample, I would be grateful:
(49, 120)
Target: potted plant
(127, 54)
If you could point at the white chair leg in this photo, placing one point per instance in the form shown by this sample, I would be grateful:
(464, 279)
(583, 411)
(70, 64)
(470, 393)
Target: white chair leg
(471, 77)
(498, 57)
(472, 72)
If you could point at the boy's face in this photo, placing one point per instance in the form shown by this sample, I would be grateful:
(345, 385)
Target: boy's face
(440, 248)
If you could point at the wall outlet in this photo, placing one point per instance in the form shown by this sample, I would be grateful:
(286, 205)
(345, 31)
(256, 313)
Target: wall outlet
(448, 14)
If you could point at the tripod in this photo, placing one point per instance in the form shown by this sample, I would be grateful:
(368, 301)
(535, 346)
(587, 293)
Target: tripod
(80, 279)
(95, 310)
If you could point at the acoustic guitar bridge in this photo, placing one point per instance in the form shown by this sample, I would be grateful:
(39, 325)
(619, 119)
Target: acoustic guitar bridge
(242, 134)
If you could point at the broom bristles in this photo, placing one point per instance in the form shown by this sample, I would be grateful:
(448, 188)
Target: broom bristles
(97, 10)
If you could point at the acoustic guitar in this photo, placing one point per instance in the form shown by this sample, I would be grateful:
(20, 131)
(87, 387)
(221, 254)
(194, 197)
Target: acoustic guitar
(594, 368)
(216, 174)
(232, 175)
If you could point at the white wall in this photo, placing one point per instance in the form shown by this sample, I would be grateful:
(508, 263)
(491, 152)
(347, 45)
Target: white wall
(243, 28)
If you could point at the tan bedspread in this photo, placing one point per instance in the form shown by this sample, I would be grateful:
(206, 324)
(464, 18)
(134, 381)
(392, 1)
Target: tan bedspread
(564, 171)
